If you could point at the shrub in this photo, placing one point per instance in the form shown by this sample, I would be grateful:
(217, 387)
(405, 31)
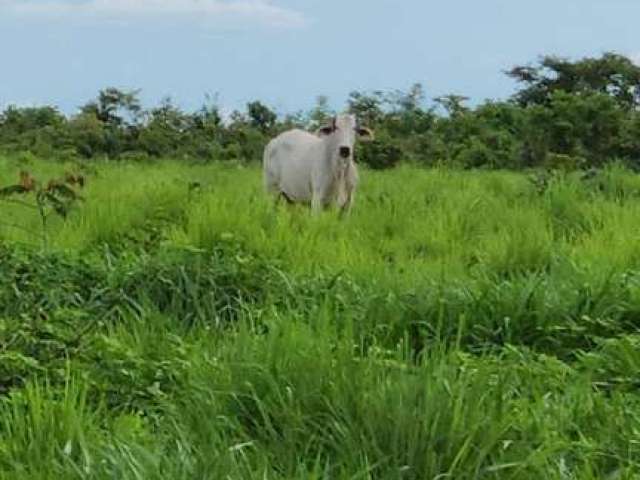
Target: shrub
(379, 154)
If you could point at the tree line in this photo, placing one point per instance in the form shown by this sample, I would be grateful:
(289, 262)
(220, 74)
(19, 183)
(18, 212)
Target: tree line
(564, 114)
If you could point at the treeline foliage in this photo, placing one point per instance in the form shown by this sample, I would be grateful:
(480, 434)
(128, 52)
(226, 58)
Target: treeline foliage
(566, 114)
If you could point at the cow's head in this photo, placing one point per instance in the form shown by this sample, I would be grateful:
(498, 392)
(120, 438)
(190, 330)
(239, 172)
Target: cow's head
(343, 130)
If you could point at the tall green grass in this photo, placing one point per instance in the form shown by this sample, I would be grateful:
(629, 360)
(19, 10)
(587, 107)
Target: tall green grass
(457, 325)
(407, 224)
(298, 403)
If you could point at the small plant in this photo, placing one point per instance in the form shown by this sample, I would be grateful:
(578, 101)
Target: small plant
(56, 196)
(542, 179)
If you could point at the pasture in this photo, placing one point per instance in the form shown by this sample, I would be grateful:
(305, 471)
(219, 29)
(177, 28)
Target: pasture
(459, 324)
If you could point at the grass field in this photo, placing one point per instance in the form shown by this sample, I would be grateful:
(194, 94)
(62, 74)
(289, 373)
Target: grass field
(462, 325)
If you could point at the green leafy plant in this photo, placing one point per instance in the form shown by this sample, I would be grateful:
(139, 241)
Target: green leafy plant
(54, 197)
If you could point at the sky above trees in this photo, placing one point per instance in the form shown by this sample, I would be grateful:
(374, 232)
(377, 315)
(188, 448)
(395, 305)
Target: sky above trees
(286, 52)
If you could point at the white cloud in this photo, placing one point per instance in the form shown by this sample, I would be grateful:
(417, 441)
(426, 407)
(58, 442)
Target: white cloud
(635, 57)
(221, 12)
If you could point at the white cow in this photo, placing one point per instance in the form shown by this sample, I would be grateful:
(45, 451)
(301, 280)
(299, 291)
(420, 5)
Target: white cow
(302, 167)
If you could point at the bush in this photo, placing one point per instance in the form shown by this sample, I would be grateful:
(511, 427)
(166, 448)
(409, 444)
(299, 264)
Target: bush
(560, 161)
(379, 154)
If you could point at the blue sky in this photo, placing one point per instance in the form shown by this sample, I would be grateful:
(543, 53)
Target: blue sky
(286, 52)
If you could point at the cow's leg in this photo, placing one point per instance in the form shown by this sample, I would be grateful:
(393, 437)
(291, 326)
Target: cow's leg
(286, 197)
(279, 197)
(345, 207)
(316, 203)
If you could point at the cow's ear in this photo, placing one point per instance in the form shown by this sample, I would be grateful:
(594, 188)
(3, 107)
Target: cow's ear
(365, 134)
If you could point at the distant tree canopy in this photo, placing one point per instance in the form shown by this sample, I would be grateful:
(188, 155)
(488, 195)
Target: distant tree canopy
(111, 104)
(262, 118)
(612, 74)
(565, 114)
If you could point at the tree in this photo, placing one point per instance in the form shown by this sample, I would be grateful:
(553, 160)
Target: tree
(40, 130)
(120, 113)
(587, 127)
(611, 74)
(20, 120)
(165, 130)
(208, 117)
(367, 107)
(113, 104)
(261, 116)
(408, 102)
(453, 104)
(88, 134)
(321, 113)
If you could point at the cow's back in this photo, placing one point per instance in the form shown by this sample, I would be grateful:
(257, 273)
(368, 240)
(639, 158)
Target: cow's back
(288, 163)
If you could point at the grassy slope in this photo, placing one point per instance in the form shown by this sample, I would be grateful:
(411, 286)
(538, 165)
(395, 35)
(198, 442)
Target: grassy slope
(171, 334)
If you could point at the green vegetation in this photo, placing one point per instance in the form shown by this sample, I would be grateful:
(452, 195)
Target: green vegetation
(564, 115)
(460, 324)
